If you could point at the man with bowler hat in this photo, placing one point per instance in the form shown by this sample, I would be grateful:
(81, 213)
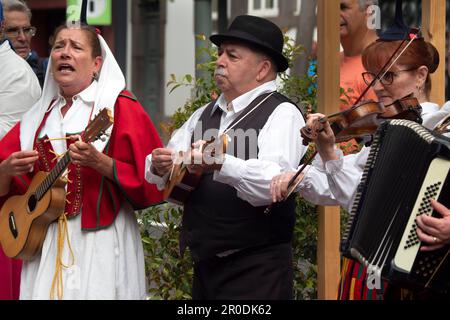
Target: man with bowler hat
(239, 250)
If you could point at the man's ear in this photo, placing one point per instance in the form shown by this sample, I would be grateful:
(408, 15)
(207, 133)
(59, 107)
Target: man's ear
(265, 67)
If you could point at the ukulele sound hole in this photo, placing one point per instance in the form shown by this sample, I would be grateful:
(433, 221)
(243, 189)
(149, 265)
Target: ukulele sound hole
(32, 202)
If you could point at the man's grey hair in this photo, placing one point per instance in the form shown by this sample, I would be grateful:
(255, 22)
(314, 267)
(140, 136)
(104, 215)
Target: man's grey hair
(363, 4)
(16, 5)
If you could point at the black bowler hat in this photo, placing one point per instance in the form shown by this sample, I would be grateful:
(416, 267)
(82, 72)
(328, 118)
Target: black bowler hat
(258, 32)
(399, 30)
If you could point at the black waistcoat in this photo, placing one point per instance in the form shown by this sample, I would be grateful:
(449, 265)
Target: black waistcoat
(215, 220)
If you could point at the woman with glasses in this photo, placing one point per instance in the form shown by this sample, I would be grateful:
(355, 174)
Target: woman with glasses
(333, 178)
(409, 75)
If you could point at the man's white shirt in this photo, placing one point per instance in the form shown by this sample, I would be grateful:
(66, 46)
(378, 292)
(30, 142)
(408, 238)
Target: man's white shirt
(280, 147)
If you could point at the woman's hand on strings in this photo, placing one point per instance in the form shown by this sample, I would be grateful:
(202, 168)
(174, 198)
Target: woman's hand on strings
(85, 154)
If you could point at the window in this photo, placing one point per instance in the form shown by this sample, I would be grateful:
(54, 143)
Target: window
(263, 8)
(215, 9)
(298, 7)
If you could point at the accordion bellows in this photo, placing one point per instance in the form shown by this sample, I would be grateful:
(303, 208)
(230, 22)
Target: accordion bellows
(408, 166)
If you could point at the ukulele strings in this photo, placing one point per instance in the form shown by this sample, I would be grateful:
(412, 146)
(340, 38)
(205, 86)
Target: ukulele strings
(229, 129)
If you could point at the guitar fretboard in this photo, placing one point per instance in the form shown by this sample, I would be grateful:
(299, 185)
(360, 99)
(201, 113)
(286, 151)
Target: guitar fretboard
(54, 174)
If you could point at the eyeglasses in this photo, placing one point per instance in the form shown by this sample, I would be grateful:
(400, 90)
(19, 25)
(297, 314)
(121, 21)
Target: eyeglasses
(386, 80)
(15, 32)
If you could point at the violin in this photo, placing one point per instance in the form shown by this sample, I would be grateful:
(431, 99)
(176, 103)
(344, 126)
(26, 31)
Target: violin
(407, 108)
(364, 119)
(359, 120)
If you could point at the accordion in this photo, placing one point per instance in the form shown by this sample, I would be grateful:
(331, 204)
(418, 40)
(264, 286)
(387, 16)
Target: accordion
(408, 165)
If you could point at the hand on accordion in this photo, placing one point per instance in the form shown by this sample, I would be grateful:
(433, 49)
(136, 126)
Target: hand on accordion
(434, 232)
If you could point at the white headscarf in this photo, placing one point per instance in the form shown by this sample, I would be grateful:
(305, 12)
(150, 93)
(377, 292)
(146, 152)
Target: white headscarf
(110, 83)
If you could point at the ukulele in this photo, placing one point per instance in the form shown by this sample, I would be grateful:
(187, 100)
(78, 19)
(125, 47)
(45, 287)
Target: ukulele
(181, 181)
(24, 219)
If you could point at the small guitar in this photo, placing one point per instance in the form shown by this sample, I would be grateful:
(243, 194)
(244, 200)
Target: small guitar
(182, 182)
(24, 220)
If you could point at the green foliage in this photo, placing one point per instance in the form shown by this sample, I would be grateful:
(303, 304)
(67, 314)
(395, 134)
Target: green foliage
(304, 247)
(301, 89)
(170, 275)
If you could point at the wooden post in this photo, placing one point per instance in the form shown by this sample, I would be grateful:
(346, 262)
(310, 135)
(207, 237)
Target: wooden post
(328, 255)
(433, 29)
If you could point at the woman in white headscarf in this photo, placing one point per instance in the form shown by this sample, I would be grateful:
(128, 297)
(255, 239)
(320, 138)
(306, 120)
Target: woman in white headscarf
(102, 255)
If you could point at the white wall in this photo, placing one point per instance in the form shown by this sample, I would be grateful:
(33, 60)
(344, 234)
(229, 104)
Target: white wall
(180, 50)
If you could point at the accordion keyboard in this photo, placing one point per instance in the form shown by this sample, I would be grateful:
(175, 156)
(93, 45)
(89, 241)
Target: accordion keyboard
(431, 189)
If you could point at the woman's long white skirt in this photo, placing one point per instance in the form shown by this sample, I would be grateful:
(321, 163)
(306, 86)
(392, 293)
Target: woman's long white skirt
(109, 263)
